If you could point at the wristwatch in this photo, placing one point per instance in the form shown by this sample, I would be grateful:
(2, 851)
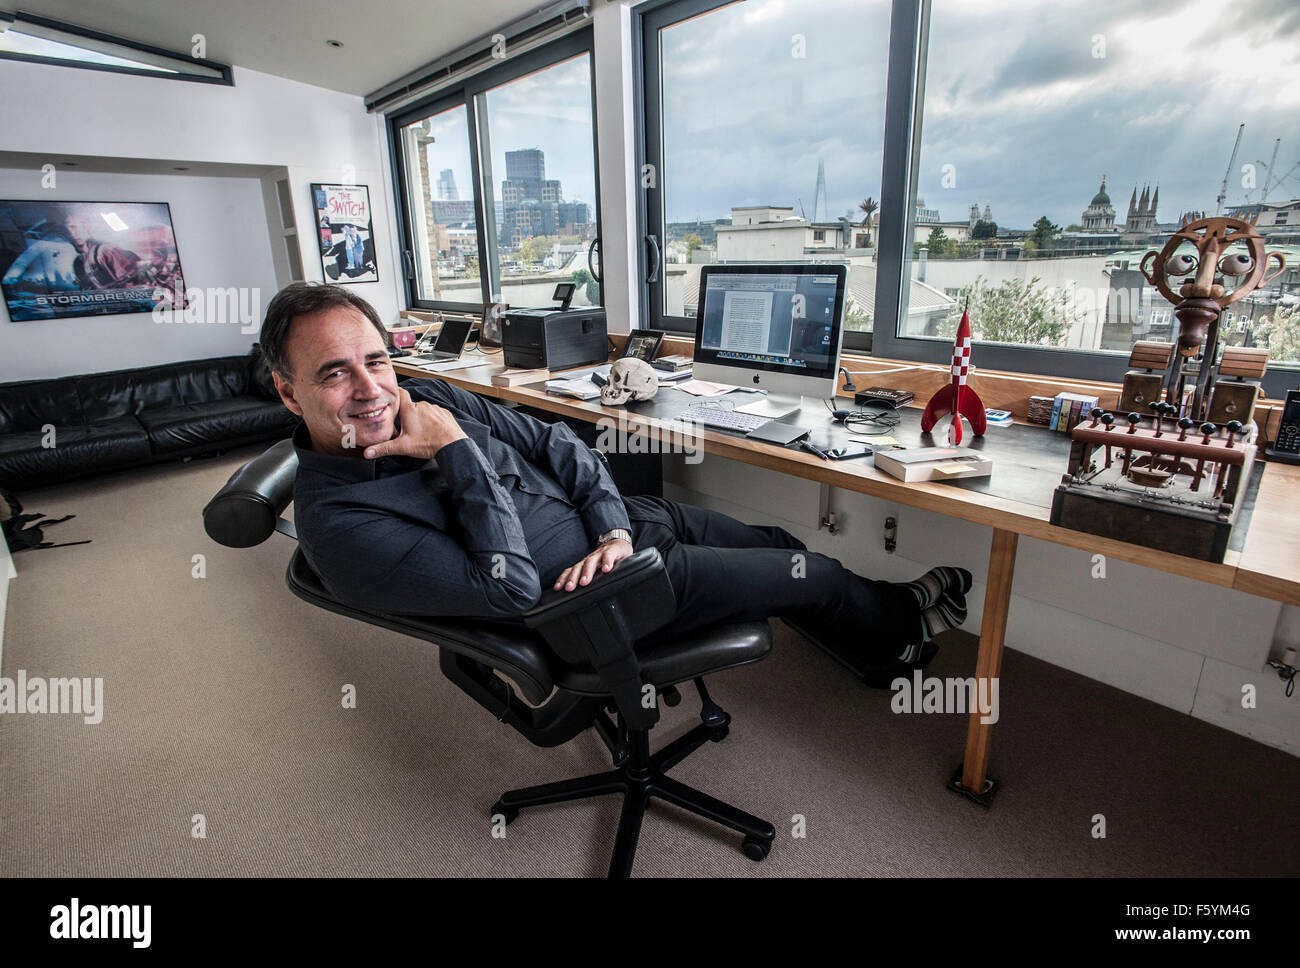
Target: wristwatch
(616, 533)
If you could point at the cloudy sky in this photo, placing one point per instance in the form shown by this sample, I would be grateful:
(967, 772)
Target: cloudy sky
(1030, 102)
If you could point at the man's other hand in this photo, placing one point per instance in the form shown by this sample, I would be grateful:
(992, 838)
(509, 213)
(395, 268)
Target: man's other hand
(603, 558)
(426, 428)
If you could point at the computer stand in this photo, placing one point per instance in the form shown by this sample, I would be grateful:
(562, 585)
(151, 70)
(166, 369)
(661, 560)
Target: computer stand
(780, 408)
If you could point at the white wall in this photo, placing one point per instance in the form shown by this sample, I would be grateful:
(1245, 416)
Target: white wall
(222, 239)
(1178, 642)
(314, 134)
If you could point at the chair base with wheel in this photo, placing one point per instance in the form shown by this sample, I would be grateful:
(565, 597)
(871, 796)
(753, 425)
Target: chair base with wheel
(641, 775)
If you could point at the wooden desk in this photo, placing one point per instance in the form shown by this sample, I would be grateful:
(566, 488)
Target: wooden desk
(1263, 561)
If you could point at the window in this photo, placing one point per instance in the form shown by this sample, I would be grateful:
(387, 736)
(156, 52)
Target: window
(764, 118)
(30, 38)
(1058, 145)
(443, 221)
(498, 183)
(1042, 148)
(542, 172)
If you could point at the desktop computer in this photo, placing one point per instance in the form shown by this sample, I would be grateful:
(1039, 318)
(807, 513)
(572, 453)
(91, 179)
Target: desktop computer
(775, 327)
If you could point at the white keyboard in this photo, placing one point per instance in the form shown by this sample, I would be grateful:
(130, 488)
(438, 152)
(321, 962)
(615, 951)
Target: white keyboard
(721, 418)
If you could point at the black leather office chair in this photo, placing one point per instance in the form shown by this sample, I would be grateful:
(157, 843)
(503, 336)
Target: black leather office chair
(572, 658)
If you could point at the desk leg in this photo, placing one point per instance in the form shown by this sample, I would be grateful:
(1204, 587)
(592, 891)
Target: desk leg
(972, 779)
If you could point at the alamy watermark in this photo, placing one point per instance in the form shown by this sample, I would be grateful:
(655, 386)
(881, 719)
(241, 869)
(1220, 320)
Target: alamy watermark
(621, 437)
(37, 694)
(953, 694)
(215, 305)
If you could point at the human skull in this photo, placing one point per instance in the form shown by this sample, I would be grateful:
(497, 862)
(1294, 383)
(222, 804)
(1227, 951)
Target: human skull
(629, 379)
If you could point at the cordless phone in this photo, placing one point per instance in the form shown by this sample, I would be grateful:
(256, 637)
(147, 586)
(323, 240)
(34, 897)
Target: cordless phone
(1287, 445)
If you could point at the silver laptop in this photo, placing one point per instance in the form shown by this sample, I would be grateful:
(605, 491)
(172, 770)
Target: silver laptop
(449, 345)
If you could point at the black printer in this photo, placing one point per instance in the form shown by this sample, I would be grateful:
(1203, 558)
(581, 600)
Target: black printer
(557, 338)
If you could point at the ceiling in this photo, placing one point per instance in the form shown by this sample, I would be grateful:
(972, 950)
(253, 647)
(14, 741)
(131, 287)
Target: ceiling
(382, 40)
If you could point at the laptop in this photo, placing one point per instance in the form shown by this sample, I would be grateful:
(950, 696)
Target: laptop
(449, 345)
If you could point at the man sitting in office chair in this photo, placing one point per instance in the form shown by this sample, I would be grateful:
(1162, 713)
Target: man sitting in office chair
(425, 499)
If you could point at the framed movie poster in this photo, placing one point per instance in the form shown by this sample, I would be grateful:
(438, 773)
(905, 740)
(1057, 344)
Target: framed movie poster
(346, 233)
(62, 259)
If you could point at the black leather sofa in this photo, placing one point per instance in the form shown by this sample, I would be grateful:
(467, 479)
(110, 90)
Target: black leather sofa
(107, 421)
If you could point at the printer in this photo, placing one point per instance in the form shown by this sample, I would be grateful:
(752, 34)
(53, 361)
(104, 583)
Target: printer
(556, 338)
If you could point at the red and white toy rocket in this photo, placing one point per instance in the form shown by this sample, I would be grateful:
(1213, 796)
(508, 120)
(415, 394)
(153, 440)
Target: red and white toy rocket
(957, 398)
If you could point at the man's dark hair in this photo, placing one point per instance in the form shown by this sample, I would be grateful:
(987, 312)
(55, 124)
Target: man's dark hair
(303, 299)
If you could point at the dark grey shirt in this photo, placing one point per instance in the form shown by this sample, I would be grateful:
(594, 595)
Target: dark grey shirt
(480, 531)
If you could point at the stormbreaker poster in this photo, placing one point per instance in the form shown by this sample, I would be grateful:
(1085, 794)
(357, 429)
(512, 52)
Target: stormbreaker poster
(60, 259)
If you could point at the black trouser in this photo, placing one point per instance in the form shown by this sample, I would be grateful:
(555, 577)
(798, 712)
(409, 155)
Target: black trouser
(722, 570)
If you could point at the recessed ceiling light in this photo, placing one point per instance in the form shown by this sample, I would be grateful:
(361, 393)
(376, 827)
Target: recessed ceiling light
(333, 43)
(180, 168)
(70, 164)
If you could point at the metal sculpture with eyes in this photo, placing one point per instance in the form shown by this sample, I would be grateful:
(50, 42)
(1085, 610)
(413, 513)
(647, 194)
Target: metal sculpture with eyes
(1213, 262)
(1173, 474)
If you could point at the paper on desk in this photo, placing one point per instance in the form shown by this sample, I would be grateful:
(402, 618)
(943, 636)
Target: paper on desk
(582, 388)
(703, 388)
(878, 441)
(450, 364)
(665, 377)
(582, 374)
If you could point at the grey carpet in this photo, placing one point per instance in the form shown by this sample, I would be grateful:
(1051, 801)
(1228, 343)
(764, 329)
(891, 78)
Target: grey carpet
(222, 698)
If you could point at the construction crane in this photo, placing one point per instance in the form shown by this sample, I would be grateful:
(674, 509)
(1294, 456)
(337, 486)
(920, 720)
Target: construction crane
(1232, 161)
(1269, 169)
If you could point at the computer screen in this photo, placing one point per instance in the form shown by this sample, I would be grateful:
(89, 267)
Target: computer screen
(451, 338)
(778, 318)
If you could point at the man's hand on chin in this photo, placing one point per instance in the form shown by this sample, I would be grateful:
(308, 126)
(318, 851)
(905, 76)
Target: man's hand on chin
(603, 558)
(425, 429)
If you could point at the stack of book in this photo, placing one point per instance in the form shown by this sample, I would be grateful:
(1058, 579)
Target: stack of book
(1040, 410)
(1069, 408)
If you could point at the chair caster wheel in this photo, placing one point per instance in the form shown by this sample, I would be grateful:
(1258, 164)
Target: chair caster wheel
(509, 813)
(755, 849)
(720, 734)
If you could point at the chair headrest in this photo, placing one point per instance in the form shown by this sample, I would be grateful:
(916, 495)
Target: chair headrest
(245, 511)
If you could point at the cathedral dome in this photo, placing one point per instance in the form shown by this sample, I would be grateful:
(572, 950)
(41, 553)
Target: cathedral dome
(1101, 198)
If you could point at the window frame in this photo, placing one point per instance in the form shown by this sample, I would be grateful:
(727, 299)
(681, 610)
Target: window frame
(469, 94)
(226, 75)
(909, 30)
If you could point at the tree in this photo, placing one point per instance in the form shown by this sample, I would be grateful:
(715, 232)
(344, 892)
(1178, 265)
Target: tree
(1016, 311)
(536, 248)
(1044, 232)
(589, 286)
(940, 246)
(868, 207)
(471, 267)
(984, 230)
(693, 242)
(1280, 332)
(856, 319)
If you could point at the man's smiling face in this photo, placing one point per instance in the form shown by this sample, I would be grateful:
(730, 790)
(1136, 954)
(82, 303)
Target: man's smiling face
(342, 378)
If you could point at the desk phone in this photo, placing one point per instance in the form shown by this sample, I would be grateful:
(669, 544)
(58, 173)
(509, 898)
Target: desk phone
(1286, 447)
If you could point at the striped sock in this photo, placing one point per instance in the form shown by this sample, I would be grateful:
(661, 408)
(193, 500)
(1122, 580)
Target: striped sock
(939, 582)
(941, 594)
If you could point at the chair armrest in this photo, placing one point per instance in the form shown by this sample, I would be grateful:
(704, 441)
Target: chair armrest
(600, 623)
(246, 511)
(633, 571)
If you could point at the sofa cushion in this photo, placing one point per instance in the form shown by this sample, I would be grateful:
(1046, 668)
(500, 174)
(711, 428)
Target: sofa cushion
(260, 381)
(30, 405)
(77, 451)
(218, 422)
(125, 393)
